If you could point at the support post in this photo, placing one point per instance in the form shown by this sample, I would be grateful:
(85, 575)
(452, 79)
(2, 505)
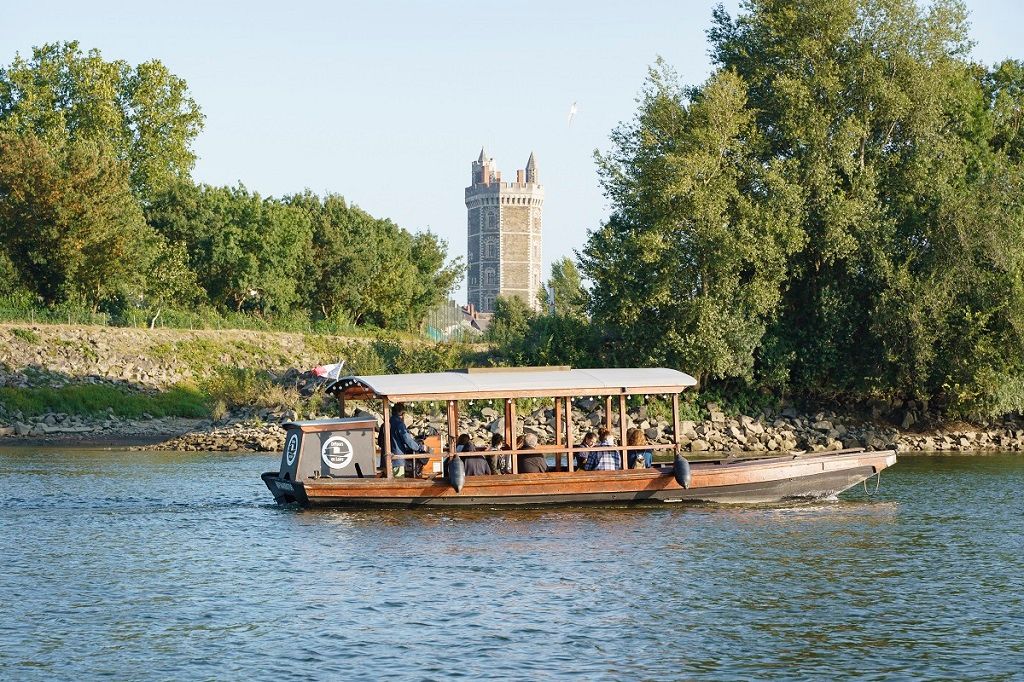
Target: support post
(341, 406)
(569, 441)
(558, 433)
(675, 422)
(622, 430)
(511, 423)
(386, 411)
(608, 413)
(453, 426)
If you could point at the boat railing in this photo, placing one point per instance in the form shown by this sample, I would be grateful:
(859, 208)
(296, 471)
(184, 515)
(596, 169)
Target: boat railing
(547, 450)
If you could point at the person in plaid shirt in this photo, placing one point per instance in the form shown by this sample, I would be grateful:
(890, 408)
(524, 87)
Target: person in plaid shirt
(604, 460)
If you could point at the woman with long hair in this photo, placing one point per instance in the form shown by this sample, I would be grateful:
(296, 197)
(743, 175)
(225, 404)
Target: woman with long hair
(636, 437)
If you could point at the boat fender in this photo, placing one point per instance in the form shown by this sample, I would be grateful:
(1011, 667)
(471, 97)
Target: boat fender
(457, 473)
(681, 470)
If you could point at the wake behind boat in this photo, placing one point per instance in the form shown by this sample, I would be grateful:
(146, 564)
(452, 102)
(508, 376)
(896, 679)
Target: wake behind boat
(351, 462)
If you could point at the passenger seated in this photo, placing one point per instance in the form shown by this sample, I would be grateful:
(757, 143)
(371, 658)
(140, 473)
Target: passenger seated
(402, 443)
(500, 462)
(476, 465)
(638, 459)
(588, 442)
(604, 460)
(532, 464)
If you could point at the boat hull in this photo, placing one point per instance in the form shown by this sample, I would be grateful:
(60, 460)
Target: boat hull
(777, 479)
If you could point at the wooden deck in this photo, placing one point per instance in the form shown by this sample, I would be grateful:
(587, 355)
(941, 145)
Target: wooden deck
(815, 475)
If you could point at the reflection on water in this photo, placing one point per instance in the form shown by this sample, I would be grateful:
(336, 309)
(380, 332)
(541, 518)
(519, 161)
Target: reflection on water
(171, 566)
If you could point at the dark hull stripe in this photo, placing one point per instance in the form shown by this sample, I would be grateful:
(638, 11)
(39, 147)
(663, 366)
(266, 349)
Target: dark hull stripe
(821, 485)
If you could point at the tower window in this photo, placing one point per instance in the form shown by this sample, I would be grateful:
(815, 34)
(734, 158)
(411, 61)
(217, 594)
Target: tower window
(489, 277)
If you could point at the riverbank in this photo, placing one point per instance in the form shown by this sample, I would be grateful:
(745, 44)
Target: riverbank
(232, 390)
(787, 430)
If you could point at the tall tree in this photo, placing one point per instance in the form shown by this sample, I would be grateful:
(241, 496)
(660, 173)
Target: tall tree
(69, 221)
(565, 289)
(687, 272)
(913, 225)
(144, 114)
(371, 271)
(1005, 91)
(249, 253)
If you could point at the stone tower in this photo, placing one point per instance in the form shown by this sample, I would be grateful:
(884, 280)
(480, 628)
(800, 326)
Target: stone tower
(504, 234)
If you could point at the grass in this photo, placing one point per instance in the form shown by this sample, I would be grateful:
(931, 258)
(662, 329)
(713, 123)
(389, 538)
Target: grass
(22, 307)
(226, 373)
(232, 387)
(228, 388)
(26, 335)
(99, 399)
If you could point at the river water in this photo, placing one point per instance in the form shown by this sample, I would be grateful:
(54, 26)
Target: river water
(177, 566)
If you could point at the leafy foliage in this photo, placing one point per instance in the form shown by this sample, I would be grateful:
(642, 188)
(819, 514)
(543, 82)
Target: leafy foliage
(837, 211)
(247, 251)
(565, 288)
(687, 272)
(98, 211)
(144, 114)
(69, 222)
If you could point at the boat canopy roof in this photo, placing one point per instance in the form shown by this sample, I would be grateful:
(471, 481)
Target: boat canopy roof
(512, 382)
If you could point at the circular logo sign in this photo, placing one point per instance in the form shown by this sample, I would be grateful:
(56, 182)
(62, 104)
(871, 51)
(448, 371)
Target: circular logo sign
(291, 449)
(337, 452)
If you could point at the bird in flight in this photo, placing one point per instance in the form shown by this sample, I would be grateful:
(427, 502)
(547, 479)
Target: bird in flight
(572, 114)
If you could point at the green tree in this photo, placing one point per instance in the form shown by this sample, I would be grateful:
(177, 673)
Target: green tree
(143, 114)
(509, 326)
(688, 270)
(249, 253)
(10, 280)
(369, 270)
(69, 222)
(565, 288)
(1004, 87)
(908, 277)
(436, 277)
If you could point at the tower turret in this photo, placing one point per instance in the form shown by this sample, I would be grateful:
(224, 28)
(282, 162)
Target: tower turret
(504, 236)
(483, 170)
(531, 170)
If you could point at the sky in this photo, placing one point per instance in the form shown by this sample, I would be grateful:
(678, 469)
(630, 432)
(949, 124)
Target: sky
(387, 103)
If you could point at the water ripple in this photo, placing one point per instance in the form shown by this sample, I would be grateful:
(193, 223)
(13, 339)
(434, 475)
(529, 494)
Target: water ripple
(157, 566)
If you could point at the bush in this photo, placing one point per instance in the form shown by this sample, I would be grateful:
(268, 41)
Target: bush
(99, 399)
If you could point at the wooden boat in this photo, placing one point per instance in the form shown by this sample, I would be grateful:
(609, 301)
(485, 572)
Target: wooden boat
(334, 462)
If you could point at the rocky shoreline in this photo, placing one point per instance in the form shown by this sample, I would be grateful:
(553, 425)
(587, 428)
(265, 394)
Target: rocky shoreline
(150, 361)
(765, 433)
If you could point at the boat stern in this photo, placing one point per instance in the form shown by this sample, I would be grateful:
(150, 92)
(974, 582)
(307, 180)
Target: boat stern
(284, 491)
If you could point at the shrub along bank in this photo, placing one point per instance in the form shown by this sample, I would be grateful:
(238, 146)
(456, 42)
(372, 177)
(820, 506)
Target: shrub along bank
(134, 373)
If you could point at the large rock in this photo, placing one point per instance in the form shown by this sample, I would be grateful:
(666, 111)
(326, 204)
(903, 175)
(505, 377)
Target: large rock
(736, 434)
(699, 446)
(909, 419)
(751, 425)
